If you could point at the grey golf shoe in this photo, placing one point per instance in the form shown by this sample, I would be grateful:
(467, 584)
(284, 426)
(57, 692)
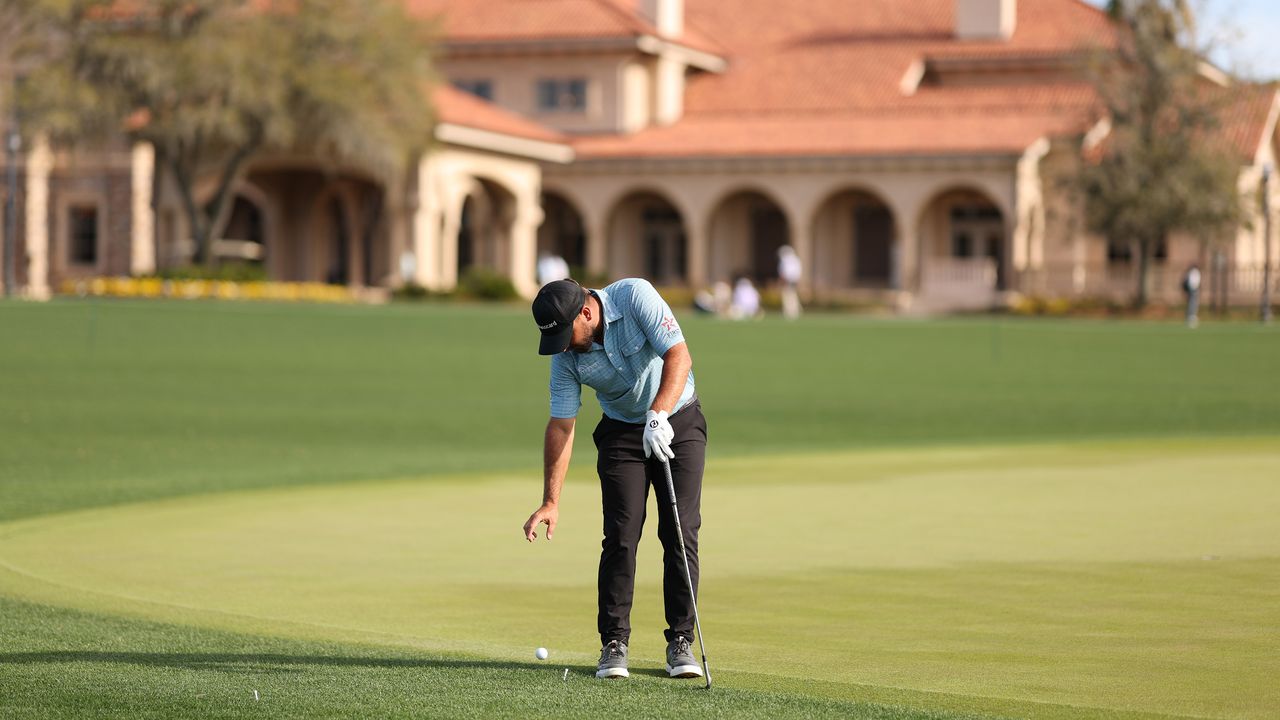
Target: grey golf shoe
(680, 660)
(613, 661)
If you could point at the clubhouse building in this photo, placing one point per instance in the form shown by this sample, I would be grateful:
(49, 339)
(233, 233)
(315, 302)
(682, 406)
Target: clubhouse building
(913, 153)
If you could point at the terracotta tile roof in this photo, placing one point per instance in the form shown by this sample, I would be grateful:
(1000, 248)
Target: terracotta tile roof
(831, 134)
(820, 76)
(456, 107)
(825, 77)
(839, 54)
(490, 20)
(751, 26)
(1244, 119)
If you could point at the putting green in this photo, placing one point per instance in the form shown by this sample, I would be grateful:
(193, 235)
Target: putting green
(1052, 580)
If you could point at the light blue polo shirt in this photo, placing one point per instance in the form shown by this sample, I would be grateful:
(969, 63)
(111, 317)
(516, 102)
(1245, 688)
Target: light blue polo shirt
(627, 370)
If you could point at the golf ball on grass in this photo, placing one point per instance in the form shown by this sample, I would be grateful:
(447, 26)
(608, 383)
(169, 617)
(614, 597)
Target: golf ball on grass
(540, 653)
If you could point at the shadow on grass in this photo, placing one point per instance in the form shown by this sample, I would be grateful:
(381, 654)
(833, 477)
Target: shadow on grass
(268, 663)
(655, 672)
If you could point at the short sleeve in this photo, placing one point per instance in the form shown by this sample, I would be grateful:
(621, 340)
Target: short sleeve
(655, 318)
(566, 390)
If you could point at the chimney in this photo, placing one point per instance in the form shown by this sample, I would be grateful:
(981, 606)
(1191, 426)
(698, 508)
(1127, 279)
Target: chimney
(665, 15)
(986, 19)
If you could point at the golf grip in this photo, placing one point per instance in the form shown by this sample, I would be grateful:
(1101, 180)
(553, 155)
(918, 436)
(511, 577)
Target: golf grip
(693, 595)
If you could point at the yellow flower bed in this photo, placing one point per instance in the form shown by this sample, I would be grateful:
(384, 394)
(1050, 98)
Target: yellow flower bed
(125, 287)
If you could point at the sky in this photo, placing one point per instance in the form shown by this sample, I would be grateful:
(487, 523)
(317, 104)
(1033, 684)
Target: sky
(1247, 32)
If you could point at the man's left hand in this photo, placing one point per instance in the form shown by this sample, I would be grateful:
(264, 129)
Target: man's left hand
(658, 435)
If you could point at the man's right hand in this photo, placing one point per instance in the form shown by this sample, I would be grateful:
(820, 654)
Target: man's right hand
(549, 514)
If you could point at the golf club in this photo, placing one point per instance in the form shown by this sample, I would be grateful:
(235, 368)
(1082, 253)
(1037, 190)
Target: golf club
(675, 514)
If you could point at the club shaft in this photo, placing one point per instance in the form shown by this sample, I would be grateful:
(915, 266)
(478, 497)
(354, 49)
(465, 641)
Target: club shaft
(693, 595)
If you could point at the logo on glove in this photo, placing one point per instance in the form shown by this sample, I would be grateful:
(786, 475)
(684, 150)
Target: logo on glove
(653, 423)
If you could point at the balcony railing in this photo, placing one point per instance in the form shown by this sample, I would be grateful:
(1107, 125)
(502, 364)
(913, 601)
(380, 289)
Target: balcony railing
(1240, 285)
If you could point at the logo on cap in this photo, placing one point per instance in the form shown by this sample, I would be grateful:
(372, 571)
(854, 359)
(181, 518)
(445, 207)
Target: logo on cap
(549, 325)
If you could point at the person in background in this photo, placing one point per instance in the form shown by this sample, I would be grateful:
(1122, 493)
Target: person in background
(789, 271)
(551, 267)
(746, 300)
(1191, 286)
(704, 303)
(722, 296)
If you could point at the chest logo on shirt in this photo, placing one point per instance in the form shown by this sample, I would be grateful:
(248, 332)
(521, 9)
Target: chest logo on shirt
(669, 324)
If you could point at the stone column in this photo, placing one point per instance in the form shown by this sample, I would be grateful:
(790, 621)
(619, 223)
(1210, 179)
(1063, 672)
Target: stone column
(446, 277)
(142, 251)
(596, 225)
(906, 252)
(695, 233)
(523, 248)
(426, 228)
(39, 165)
(801, 230)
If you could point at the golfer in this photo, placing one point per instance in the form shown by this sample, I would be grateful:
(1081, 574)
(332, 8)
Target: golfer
(624, 342)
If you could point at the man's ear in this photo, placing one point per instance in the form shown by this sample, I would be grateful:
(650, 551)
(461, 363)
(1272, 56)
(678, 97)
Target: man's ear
(586, 311)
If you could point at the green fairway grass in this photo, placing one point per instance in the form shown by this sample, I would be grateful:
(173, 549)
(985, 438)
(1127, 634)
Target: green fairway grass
(902, 519)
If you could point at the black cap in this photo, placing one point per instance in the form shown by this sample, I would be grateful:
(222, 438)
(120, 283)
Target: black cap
(554, 309)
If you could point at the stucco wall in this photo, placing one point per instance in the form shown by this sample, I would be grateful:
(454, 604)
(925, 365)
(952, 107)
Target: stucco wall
(445, 177)
(700, 193)
(515, 82)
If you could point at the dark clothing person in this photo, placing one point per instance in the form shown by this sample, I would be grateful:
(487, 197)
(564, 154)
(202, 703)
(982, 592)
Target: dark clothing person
(1191, 286)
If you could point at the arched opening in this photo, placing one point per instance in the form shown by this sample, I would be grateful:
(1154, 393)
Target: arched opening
(244, 238)
(964, 243)
(466, 235)
(746, 230)
(562, 232)
(484, 228)
(854, 243)
(647, 239)
(315, 226)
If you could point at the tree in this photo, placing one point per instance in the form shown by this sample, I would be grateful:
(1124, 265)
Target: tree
(1165, 166)
(209, 83)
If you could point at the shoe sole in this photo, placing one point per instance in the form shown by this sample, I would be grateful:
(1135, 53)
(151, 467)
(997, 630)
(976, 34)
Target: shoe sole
(612, 673)
(684, 671)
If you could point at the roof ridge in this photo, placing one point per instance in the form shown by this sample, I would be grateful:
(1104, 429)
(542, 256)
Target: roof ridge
(883, 110)
(524, 123)
(1094, 8)
(1269, 123)
(632, 19)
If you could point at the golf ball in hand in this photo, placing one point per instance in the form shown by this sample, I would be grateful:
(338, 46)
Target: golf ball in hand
(540, 653)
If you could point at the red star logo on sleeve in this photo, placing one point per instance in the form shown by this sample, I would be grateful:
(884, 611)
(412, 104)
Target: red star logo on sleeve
(669, 324)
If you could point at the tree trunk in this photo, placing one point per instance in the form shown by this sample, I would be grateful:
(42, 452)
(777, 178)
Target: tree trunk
(201, 232)
(195, 218)
(218, 211)
(207, 219)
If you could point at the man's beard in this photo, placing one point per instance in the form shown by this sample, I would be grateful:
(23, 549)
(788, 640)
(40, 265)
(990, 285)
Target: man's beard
(582, 347)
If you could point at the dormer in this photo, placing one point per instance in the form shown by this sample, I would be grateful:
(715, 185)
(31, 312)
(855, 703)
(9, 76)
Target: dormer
(627, 75)
(986, 19)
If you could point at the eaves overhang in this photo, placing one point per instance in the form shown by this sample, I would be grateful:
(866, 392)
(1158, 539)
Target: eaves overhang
(490, 141)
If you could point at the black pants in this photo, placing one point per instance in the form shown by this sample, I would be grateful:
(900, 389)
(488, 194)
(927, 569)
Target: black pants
(625, 477)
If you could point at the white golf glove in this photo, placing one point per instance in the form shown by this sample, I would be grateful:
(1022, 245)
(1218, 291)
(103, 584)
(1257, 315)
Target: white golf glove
(658, 435)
